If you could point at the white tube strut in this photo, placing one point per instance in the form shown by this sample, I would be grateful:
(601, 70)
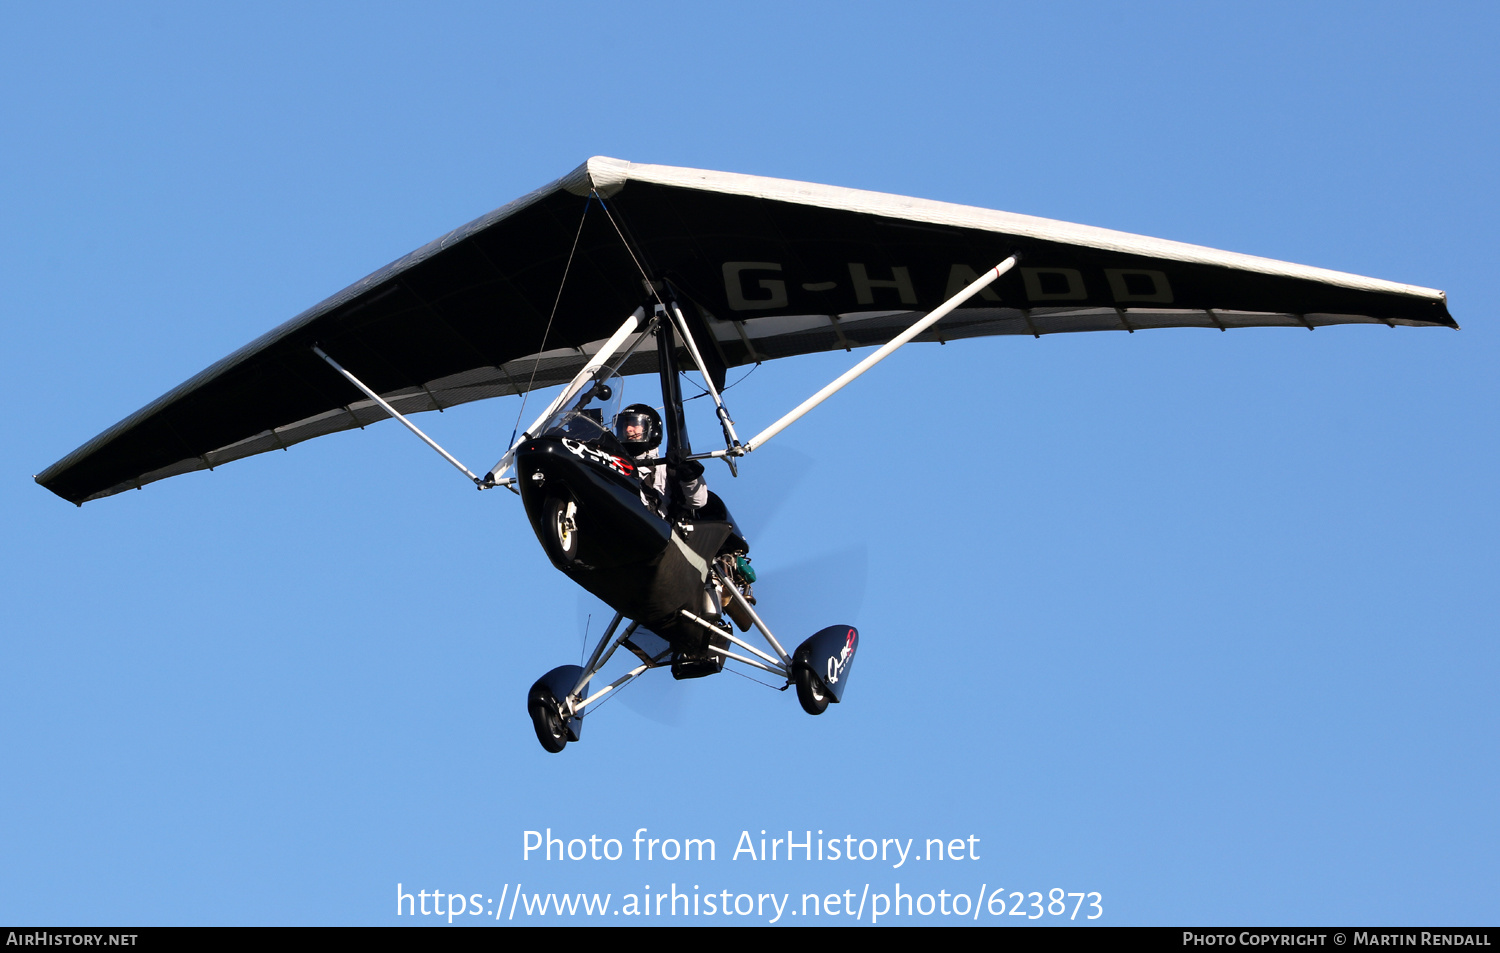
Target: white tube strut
(394, 413)
(731, 439)
(932, 318)
(574, 386)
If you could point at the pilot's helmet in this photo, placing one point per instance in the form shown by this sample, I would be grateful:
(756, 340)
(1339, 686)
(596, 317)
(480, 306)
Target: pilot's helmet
(639, 429)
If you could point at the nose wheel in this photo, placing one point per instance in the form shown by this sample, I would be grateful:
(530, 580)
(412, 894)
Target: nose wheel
(560, 530)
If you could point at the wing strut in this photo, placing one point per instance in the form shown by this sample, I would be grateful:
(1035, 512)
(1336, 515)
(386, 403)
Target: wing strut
(397, 414)
(936, 315)
(495, 477)
(731, 439)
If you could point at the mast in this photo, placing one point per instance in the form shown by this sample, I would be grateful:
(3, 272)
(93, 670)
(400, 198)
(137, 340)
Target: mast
(671, 388)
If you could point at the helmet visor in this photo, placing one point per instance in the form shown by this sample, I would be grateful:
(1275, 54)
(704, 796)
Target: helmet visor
(634, 428)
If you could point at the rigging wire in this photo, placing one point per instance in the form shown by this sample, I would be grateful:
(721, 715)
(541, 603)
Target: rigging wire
(645, 278)
(774, 688)
(704, 393)
(555, 302)
(650, 286)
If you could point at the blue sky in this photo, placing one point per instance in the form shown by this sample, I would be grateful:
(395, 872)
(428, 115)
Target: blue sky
(1204, 623)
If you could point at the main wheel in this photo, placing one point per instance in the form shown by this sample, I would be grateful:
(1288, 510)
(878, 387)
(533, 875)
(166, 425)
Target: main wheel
(560, 530)
(547, 721)
(810, 692)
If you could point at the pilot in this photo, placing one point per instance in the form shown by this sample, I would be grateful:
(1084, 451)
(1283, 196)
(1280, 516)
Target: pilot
(639, 429)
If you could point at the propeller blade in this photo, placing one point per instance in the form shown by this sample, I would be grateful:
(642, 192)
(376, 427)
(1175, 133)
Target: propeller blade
(777, 473)
(802, 597)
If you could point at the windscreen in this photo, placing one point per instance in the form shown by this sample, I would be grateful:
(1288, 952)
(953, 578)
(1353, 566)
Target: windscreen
(589, 416)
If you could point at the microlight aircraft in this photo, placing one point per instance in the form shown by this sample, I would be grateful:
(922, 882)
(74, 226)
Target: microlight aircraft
(621, 269)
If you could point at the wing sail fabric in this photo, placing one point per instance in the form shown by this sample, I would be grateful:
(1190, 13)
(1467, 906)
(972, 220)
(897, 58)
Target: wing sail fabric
(774, 269)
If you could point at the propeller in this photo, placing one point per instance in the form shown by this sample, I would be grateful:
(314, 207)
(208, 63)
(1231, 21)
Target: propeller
(795, 596)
